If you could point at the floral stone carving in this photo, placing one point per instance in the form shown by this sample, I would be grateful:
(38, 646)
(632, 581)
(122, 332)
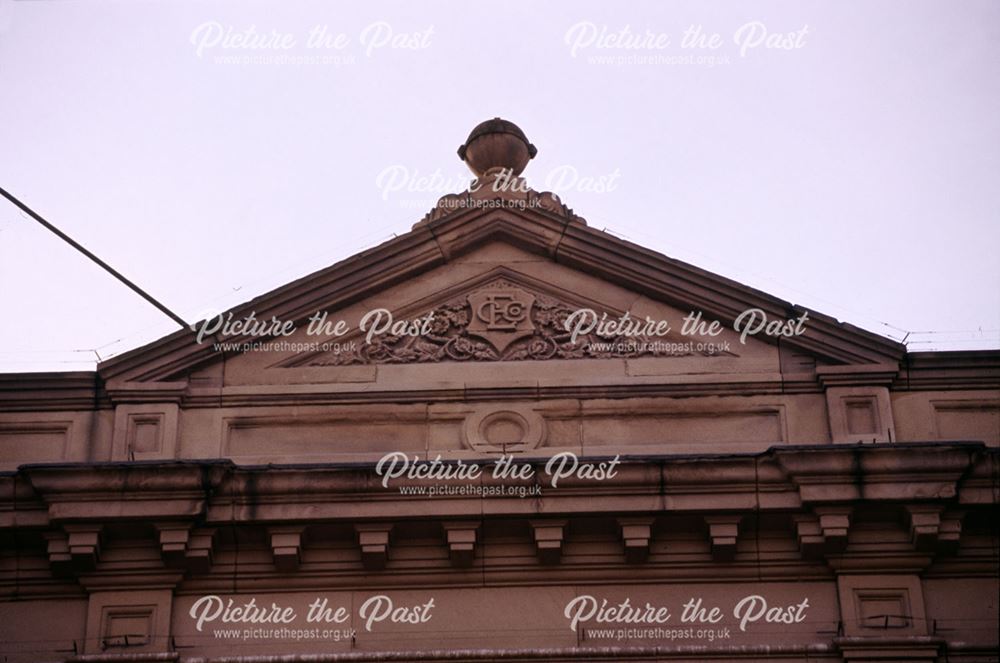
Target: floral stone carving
(499, 322)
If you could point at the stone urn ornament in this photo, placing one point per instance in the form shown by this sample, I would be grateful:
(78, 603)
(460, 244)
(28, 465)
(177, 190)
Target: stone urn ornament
(496, 145)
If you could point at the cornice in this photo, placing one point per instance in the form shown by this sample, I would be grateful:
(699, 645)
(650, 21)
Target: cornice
(782, 479)
(813, 492)
(857, 375)
(124, 491)
(146, 392)
(975, 369)
(79, 390)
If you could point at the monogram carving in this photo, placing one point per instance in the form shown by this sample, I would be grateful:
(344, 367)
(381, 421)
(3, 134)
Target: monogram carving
(501, 316)
(498, 322)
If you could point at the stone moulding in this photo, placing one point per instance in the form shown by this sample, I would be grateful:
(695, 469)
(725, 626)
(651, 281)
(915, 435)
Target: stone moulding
(932, 483)
(189, 513)
(583, 652)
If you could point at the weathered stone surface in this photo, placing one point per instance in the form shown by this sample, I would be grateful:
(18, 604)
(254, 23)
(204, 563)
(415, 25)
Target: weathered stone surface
(831, 468)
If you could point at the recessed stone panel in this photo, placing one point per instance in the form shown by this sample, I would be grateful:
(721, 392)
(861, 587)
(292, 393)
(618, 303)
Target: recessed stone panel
(967, 420)
(651, 430)
(145, 431)
(874, 605)
(33, 441)
(287, 439)
(860, 414)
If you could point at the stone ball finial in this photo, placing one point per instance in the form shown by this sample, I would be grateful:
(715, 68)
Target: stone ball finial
(496, 144)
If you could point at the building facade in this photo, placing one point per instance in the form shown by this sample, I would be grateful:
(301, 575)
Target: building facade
(503, 453)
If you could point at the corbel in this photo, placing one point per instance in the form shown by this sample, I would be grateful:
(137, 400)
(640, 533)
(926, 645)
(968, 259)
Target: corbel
(374, 541)
(286, 546)
(461, 537)
(723, 530)
(548, 539)
(636, 534)
(834, 522)
(84, 540)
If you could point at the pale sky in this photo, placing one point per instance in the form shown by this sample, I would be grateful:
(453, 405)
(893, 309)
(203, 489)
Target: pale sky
(851, 167)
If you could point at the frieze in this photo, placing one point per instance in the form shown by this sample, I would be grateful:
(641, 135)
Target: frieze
(503, 321)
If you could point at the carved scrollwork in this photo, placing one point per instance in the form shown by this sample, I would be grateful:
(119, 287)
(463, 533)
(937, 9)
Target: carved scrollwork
(499, 322)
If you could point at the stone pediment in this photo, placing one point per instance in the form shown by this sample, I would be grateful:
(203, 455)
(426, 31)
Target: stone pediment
(505, 316)
(560, 241)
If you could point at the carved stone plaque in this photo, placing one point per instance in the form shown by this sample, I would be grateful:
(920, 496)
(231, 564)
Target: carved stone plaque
(501, 316)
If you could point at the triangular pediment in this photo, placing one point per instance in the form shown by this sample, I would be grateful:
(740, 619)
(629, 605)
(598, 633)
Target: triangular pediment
(466, 267)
